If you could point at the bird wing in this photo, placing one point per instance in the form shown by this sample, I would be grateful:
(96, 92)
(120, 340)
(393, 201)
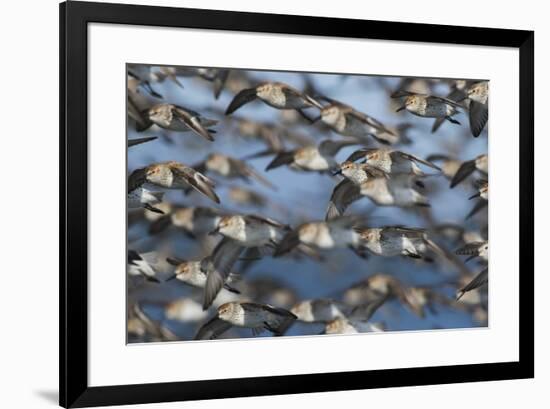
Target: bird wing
(481, 279)
(374, 172)
(197, 180)
(344, 194)
(137, 141)
(218, 267)
(479, 114)
(136, 179)
(282, 158)
(369, 120)
(463, 172)
(400, 231)
(365, 311)
(212, 329)
(447, 101)
(329, 147)
(418, 160)
(193, 120)
(358, 154)
(259, 219)
(243, 97)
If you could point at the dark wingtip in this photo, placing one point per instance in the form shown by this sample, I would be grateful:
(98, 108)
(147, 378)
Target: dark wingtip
(242, 98)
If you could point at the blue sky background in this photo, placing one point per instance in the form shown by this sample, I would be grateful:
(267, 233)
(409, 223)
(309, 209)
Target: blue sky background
(305, 196)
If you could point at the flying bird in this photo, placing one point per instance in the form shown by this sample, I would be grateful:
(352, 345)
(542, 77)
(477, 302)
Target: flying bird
(478, 95)
(319, 310)
(180, 119)
(275, 94)
(318, 158)
(391, 241)
(383, 191)
(174, 175)
(347, 121)
(231, 168)
(392, 161)
(475, 249)
(429, 106)
(191, 273)
(258, 317)
(324, 235)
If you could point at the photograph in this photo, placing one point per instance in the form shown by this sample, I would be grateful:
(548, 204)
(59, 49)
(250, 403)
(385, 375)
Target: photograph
(264, 203)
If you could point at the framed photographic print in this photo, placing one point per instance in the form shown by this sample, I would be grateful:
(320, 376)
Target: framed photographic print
(259, 204)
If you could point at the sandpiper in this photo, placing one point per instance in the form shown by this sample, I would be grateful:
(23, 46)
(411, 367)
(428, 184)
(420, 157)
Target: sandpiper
(375, 288)
(391, 241)
(335, 233)
(475, 249)
(194, 221)
(177, 118)
(429, 106)
(191, 273)
(318, 310)
(398, 191)
(174, 175)
(312, 158)
(358, 172)
(258, 317)
(347, 121)
(251, 230)
(480, 163)
(478, 94)
(275, 94)
(392, 161)
(231, 168)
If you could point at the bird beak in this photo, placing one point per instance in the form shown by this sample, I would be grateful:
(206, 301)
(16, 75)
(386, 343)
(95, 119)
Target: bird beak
(337, 172)
(171, 277)
(401, 108)
(317, 118)
(474, 196)
(214, 232)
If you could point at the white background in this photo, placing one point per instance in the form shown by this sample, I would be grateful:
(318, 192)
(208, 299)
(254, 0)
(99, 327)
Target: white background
(29, 161)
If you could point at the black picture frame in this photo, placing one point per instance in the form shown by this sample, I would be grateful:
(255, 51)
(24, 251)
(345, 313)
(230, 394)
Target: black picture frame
(73, 382)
